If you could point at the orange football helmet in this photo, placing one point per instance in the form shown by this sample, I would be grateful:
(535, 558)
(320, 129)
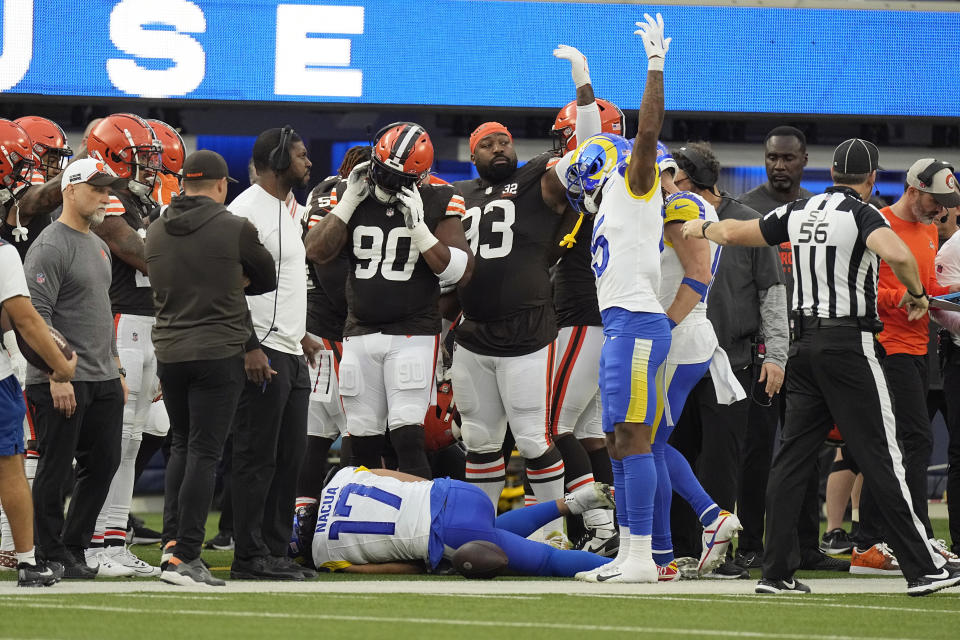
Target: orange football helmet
(402, 157)
(174, 151)
(50, 144)
(16, 159)
(442, 419)
(130, 147)
(564, 130)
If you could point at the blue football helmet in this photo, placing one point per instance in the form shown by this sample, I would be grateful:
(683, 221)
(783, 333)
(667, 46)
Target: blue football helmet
(301, 539)
(592, 163)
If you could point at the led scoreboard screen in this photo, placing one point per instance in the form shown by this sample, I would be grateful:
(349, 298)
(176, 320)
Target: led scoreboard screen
(479, 53)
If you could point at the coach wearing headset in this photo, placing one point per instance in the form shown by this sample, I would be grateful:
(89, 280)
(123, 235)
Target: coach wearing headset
(270, 429)
(202, 260)
(747, 298)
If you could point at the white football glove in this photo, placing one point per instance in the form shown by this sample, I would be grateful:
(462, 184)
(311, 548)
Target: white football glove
(357, 186)
(357, 189)
(578, 64)
(653, 41)
(412, 207)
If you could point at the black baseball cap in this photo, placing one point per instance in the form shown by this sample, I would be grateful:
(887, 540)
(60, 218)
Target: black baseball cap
(856, 156)
(206, 165)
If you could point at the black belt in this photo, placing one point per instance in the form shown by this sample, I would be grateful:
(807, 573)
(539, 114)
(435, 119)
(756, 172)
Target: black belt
(815, 322)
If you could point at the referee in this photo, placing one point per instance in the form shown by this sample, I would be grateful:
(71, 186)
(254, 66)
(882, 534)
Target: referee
(837, 239)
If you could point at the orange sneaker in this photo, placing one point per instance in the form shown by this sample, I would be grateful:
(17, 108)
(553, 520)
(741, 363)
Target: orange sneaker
(668, 573)
(878, 560)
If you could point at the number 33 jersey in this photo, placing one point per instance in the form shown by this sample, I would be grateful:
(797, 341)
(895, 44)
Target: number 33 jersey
(363, 518)
(627, 237)
(390, 288)
(507, 304)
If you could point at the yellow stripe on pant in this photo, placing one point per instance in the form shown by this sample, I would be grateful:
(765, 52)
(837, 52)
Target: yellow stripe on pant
(640, 391)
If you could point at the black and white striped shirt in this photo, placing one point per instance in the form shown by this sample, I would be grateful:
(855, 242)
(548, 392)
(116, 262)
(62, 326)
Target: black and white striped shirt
(835, 274)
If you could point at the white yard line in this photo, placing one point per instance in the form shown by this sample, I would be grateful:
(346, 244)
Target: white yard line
(663, 631)
(789, 600)
(820, 587)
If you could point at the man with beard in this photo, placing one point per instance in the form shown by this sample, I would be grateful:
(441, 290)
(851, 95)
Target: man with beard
(404, 239)
(127, 144)
(503, 361)
(69, 275)
(326, 315)
(930, 188)
(270, 429)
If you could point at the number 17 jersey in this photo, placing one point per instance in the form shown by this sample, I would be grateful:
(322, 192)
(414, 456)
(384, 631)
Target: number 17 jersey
(363, 518)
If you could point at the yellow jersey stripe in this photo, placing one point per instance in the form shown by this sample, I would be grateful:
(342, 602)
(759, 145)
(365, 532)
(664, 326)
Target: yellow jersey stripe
(639, 373)
(649, 194)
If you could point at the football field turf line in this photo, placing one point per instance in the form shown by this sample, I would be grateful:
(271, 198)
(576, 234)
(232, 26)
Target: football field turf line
(787, 600)
(317, 617)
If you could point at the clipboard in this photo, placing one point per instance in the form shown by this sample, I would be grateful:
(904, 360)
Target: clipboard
(947, 302)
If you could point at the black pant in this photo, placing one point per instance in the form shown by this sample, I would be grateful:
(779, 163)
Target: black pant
(92, 436)
(757, 454)
(951, 390)
(835, 373)
(269, 440)
(201, 397)
(710, 435)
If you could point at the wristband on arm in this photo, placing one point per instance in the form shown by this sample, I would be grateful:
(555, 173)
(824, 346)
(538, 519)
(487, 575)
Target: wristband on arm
(697, 286)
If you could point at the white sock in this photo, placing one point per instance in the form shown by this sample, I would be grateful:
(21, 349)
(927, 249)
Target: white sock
(27, 556)
(640, 548)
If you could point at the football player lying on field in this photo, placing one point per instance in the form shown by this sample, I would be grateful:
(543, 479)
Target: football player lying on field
(382, 521)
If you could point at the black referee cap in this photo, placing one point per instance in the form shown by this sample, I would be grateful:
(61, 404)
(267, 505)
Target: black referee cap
(856, 156)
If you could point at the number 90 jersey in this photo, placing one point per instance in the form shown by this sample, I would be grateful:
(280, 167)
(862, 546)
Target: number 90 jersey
(507, 304)
(390, 288)
(363, 518)
(627, 236)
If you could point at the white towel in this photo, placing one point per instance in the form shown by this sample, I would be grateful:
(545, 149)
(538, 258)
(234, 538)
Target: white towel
(725, 384)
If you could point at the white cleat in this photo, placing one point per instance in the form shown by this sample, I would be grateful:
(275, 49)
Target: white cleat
(716, 540)
(595, 495)
(558, 540)
(591, 575)
(631, 572)
(107, 565)
(139, 568)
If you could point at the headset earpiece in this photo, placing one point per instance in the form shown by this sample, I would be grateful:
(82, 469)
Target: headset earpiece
(703, 176)
(280, 156)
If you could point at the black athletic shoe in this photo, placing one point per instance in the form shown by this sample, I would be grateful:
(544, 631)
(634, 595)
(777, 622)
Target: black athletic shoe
(836, 541)
(818, 561)
(76, 569)
(931, 583)
(139, 533)
(261, 568)
(728, 571)
(781, 586)
(282, 562)
(749, 559)
(221, 542)
(42, 574)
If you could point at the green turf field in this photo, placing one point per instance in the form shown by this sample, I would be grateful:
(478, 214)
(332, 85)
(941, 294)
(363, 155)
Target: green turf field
(341, 606)
(155, 615)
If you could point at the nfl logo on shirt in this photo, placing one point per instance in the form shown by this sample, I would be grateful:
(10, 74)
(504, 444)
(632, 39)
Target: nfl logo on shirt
(41, 278)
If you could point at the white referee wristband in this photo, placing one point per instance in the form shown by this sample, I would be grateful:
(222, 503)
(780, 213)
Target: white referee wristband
(423, 238)
(454, 270)
(655, 63)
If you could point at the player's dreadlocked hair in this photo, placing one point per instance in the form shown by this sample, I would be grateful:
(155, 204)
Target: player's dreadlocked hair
(353, 157)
